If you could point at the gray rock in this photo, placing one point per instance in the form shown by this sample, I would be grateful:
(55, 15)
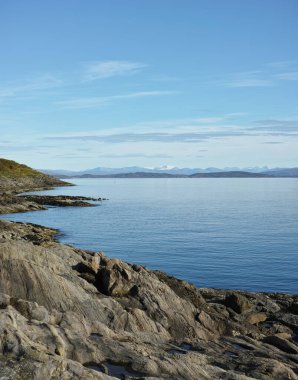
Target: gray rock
(256, 318)
(282, 344)
(238, 303)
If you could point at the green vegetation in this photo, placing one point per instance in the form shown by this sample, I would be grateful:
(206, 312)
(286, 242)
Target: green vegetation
(11, 169)
(16, 178)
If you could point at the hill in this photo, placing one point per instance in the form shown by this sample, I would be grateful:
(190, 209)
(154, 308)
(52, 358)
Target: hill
(165, 169)
(132, 175)
(230, 174)
(15, 177)
(283, 172)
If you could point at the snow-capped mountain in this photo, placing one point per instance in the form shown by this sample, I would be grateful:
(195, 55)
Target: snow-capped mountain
(165, 169)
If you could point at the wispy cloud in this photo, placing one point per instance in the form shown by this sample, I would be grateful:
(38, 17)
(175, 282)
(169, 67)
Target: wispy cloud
(249, 79)
(9, 148)
(282, 64)
(134, 155)
(199, 122)
(269, 75)
(208, 120)
(291, 75)
(187, 137)
(272, 142)
(188, 131)
(274, 125)
(33, 85)
(95, 102)
(107, 69)
(166, 78)
(40, 82)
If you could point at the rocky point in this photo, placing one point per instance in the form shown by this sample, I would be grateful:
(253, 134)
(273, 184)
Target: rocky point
(67, 313)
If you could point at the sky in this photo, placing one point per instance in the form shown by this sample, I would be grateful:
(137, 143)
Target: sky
(114, 83)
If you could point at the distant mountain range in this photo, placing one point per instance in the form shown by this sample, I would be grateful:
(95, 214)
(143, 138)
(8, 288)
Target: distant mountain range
(286, 172)
(168, 172)
(162, 169)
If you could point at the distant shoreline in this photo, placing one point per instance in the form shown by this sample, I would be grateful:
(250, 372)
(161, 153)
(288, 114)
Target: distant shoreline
(166, 175)
(139, 172)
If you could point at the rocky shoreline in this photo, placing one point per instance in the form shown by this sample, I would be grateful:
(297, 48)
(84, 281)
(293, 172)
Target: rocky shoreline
(20, 203)
(67, 313)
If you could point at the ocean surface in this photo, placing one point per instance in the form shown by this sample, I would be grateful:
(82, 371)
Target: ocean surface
(224, 233)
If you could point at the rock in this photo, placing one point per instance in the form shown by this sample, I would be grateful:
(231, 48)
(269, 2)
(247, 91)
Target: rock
(211, 323)
(95, 262)
(4, 301)
(282, 344)
(134, 291)
(277, 328)
(271, 369)
(114, 279)
(294, 308)
(220, 309)
(15, 177)
(267, 305)
(58, 200)
(284, 335)
(89, 277)
(288, 319)
(31, 310)
(238, 303)
(182, 289)
(256, 318)
(62, 308)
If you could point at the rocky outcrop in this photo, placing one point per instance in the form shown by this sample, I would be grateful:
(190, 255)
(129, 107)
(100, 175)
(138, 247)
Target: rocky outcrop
(66, 313)
(11, 203)
(13, 185)
(16, 178)
(237, 302)
(60, 200)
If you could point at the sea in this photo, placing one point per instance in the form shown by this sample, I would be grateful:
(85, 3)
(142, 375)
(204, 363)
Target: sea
(231, 233)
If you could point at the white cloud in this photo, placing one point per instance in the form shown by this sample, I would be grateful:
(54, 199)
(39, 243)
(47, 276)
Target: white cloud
(189, 123)
(94, 102)
(107, 69)
(281, 64)
(41, 82)
(249, 79)
(261, 78)
(45, 81)
(184, 131)
(250, 82)
(292, 75)
(209, 120)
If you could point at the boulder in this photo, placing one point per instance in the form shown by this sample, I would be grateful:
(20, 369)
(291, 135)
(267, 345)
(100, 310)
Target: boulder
(256, 318)
(237, 302)
(114, 279)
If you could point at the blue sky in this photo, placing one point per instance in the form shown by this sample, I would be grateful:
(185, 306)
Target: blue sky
(192, 83)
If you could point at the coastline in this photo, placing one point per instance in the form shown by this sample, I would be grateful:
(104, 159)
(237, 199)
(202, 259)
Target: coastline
(144, 323)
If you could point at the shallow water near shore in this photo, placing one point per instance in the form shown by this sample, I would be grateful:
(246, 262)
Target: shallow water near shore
(225, 233)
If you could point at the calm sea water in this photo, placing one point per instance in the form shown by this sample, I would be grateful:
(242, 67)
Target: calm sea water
(226, 233)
